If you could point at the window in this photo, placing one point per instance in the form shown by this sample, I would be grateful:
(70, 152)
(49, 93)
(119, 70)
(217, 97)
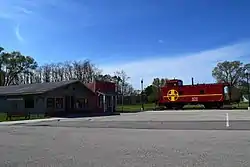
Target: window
(29, 103)
(100, 100)
(50, 102)
(78, 103)
(226, 89)
(59, 103)
(202, 92)
(56, 103)
(82, 103)
(179, 83)
(86, 103)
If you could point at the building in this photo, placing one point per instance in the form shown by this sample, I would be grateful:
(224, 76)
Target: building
(63, 97)
(105, 95)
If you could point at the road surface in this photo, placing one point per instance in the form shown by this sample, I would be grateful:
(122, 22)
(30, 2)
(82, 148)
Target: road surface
(140, 140)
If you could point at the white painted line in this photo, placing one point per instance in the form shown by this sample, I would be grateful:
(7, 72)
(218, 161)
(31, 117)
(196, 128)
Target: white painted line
(227, 120)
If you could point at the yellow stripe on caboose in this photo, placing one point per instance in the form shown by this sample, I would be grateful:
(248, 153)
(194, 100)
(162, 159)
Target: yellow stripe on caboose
(201, 95)
(197, 95)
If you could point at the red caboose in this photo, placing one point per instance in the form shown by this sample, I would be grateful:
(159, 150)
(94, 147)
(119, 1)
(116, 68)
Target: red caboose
(175, 95)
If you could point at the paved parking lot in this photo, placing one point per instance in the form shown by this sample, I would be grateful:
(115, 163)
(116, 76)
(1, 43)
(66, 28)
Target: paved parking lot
(193, 138)
(180, 120)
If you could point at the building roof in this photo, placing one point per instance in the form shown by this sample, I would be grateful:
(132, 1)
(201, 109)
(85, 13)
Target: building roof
(36, 88)
(107, 93)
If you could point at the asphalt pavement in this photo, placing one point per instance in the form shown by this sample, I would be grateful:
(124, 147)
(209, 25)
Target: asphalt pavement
(181, 120)
(148, 139)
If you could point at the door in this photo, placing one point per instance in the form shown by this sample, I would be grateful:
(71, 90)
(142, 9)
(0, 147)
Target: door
(67, 103)
(109, 103)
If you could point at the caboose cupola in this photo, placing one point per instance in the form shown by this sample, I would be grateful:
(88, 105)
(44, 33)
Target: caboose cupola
(174, 82)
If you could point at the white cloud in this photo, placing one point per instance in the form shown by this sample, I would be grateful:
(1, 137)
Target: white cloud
(198, 65)
(23, 10)
(14, 10)
(18, 35)
(160, 41)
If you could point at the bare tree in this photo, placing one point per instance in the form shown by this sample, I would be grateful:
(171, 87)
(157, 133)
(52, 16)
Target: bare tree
(77, 70)
(68, 70)
(123, 84)
(60, 72)
(38, 75)
(46, 73)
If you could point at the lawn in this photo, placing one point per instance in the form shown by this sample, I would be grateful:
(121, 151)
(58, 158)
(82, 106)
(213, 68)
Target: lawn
(241, 105)
(135, 107)
(32, 116)
(151, 106)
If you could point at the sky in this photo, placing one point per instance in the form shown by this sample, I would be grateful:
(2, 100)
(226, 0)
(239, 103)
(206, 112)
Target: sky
(145, 38)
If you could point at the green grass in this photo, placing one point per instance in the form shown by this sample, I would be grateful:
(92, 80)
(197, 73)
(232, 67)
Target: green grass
(32, 116)
(241, 105)
(135, 107)
(151, 106)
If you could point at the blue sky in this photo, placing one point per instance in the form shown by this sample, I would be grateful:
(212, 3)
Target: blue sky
(146, 38)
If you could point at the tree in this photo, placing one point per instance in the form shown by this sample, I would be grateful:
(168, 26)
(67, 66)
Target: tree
(1, 63)
(159, 82)
(232, 73)
(244, 85)
(229, 72)
(123, 85)
(148, 90)
(13, 64)
(153, 90)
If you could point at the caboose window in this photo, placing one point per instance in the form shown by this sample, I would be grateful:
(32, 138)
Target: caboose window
(202, 92)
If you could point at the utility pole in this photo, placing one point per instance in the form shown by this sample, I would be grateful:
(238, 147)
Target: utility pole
(122, 93)
(248, 89)
(142, 100)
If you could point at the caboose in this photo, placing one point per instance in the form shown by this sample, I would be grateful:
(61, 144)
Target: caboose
(175, 95)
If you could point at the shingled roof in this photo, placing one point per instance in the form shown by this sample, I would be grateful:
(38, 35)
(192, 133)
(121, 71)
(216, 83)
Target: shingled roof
(36, 88)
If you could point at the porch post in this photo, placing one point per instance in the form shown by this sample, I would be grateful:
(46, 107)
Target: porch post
(112, 103)
(115, 102)
(104, 103)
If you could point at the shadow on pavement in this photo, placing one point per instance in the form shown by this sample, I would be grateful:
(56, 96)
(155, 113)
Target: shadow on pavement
(85, 115)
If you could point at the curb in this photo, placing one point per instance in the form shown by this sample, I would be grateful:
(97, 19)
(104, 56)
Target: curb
(29, 121)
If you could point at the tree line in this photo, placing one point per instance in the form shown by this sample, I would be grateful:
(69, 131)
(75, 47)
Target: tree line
(16, 69)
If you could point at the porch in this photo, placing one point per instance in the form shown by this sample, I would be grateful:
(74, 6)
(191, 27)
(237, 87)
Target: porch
(106, 102)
